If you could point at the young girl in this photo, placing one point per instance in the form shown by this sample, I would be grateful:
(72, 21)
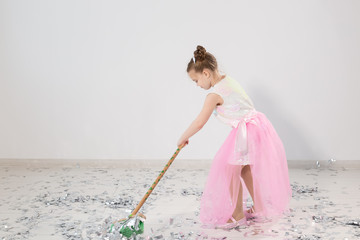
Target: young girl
(252, 155)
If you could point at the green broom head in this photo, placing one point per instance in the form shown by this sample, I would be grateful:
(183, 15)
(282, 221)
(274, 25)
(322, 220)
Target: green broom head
(132, 226)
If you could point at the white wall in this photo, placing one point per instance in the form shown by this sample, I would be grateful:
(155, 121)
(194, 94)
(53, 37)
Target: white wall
(107, 79)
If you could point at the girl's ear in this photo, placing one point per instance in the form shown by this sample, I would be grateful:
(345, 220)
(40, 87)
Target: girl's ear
(206, 73)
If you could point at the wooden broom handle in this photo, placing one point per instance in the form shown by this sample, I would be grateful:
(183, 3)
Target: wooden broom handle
(156, 181)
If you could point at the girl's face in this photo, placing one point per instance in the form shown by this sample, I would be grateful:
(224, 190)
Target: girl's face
(202, 80)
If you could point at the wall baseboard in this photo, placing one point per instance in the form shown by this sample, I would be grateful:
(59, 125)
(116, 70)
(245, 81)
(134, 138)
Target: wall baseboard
(155, 163)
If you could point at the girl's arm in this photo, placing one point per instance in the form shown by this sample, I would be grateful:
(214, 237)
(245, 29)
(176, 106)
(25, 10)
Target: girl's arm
(210, 103)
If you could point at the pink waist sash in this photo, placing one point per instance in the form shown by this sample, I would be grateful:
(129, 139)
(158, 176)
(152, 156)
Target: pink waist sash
(241, 141)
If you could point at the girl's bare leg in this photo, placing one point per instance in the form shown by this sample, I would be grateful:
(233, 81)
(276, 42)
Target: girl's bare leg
(238, 212)
(248, 179)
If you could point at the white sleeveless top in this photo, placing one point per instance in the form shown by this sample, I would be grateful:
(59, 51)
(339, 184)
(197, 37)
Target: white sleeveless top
(236, 108)
(236, 104)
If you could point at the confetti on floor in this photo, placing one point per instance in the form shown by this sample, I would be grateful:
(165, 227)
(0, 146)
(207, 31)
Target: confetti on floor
(81, 203)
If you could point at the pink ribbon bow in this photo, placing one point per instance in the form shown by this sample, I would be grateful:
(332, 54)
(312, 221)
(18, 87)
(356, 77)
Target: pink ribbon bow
(241, 141)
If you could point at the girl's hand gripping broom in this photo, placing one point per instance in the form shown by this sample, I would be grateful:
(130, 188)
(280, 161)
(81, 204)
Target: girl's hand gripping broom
(134, 223)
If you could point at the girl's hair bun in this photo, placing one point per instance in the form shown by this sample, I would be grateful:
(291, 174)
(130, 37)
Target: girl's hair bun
(199, 53)
(201, 60)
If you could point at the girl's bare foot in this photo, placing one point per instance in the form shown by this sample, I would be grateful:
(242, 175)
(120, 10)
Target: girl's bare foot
(251, 210)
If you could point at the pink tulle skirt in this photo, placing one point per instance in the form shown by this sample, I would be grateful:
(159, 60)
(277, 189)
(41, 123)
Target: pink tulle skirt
(269, 171)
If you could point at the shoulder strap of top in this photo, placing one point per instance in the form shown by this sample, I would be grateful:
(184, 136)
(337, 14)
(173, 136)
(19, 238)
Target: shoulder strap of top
(216, 91)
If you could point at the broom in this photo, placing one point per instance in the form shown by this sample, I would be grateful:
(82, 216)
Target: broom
(134, 223)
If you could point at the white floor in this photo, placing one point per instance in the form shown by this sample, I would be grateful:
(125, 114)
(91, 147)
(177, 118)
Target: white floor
(40, 201)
